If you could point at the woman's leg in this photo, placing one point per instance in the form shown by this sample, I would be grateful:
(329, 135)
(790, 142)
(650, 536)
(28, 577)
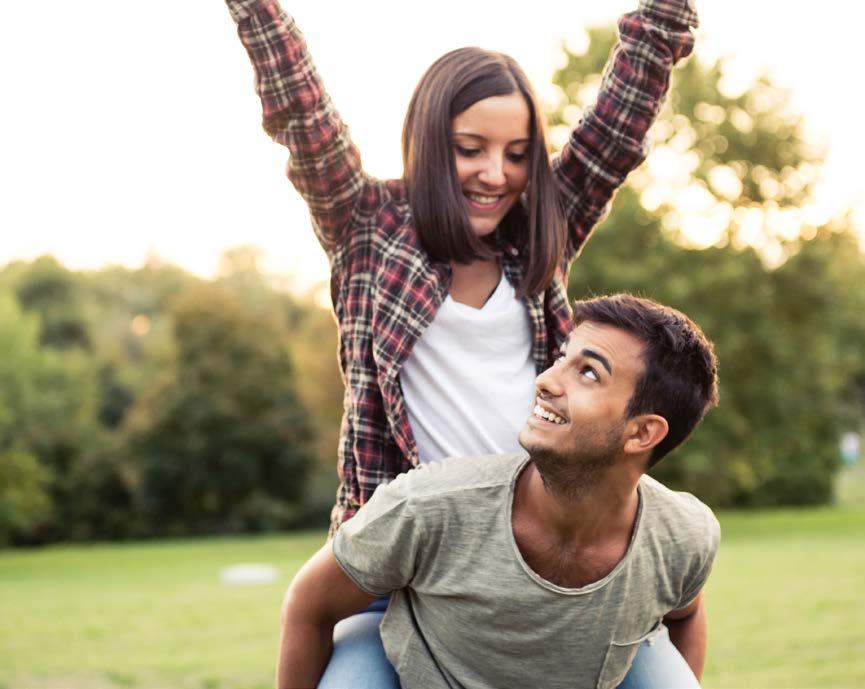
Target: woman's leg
(358, 660)
(659, 665)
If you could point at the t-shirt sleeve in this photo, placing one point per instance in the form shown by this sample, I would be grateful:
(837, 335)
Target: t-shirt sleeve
(378, 547)
(701, 563)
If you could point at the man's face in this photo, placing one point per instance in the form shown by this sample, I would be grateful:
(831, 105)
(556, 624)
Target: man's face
(579, 416)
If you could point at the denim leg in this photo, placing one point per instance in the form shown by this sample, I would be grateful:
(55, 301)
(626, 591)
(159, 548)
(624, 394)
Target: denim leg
(358, 660)
(659, 665)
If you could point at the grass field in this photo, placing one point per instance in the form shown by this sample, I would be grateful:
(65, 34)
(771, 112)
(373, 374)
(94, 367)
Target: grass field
(786, 602)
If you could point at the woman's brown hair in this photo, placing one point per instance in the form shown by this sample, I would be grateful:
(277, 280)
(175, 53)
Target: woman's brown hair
(535, 227)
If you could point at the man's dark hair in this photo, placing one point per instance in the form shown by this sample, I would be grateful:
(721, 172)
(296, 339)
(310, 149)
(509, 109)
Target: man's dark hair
(680, 379)
(537, 227)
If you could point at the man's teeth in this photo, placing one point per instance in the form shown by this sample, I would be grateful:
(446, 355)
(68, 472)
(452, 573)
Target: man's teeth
(548, 415)
(486, 200)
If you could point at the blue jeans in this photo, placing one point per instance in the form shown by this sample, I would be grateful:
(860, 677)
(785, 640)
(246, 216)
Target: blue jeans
(659, 665)
(359, 661)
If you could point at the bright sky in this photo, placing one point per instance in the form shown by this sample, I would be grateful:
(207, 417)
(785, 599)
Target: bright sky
(132, 128)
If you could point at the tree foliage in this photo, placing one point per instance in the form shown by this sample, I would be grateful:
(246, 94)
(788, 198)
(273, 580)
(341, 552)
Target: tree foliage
(47, 399)
(726, 167)
(221, 443)
(178, 412)
(50, 290)
(783, 307)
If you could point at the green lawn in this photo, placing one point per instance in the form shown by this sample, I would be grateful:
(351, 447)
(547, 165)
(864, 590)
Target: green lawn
(786, 600)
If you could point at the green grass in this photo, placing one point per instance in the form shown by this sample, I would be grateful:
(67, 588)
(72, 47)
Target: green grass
(151, 615)
(786, 602)
(850, 486)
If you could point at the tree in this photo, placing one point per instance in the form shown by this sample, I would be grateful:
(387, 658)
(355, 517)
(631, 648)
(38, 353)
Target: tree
(313, 344)
(311, 337)
(47, 413)
(24, 493)
(725, 167)
(221, 443)
(779, 298)
(53, 292)
(83, 456)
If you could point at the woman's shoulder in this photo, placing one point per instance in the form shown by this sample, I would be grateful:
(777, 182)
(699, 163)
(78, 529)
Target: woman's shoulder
(381, 230)
(383, 217)
(381, 203)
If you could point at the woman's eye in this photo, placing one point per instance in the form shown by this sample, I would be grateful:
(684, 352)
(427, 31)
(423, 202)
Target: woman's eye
(467, 152)
(518, 157)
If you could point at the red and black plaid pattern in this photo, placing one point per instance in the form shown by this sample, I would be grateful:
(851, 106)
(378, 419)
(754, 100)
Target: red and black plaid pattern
(384, 287)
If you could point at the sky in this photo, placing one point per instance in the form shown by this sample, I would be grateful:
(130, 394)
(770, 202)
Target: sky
(131, 129)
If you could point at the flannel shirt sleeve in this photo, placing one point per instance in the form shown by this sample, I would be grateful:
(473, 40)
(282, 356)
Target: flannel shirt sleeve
(324, 165)
(610, 139)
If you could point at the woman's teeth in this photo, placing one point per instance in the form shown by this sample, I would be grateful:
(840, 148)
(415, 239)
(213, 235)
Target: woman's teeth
(485, 200)
(547, 415)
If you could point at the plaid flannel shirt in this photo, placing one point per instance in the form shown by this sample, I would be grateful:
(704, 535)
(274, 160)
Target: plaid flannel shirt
(384, 287)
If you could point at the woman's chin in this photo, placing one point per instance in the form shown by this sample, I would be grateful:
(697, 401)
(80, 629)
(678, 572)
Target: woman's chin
(483, 228)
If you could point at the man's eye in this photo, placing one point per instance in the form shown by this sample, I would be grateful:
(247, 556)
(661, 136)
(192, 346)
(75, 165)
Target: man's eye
(591, 374)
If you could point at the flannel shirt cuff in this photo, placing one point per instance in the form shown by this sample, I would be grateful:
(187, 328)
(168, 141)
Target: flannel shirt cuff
(242, 9)
(676, 14)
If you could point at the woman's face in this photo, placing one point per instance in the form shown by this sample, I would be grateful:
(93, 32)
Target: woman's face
(491, 149)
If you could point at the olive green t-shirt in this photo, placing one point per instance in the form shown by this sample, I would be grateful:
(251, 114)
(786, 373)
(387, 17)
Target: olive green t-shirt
(467, 611)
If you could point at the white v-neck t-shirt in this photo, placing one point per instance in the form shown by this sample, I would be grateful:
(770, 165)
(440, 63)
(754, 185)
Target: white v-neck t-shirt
(469, 381)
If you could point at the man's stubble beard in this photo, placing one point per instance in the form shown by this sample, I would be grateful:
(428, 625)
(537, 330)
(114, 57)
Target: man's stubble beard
(571, 477)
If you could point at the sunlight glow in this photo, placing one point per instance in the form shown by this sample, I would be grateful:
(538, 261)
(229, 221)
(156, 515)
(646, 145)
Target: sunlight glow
(115, 150)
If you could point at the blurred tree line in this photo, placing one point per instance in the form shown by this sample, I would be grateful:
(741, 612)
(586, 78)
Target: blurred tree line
(149, 402)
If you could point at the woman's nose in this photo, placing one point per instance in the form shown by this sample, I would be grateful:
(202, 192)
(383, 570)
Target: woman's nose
(493, 172)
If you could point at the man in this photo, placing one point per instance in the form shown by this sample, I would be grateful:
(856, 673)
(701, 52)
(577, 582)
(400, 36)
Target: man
(546, 569)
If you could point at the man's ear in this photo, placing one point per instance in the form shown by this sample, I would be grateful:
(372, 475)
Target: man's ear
(644, 432)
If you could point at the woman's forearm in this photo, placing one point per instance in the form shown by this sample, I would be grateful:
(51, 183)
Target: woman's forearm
(324, 165)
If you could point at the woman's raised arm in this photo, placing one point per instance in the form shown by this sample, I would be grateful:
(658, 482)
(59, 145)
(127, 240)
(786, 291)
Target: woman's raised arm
(610, 139)
(324, 165)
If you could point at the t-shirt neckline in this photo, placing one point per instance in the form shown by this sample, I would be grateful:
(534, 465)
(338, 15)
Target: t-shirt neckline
(544, 583)
(488, 305)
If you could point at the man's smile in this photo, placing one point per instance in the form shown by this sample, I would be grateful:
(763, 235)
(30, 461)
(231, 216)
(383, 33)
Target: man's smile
(548, 415)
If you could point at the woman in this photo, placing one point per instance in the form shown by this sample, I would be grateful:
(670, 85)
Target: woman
(448, 285)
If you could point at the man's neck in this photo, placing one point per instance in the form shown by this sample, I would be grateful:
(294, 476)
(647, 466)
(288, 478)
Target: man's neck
(585, 518)
(573, 541)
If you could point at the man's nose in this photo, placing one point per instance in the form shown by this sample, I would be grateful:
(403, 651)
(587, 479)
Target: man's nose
(547, 384)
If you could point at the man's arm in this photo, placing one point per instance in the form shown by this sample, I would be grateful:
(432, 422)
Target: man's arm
(319, 596)
(688, 633)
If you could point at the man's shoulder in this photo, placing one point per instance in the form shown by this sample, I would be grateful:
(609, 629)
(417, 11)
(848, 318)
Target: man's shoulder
(459, 475)
(679, 538)
(683, 517)
(669, 499)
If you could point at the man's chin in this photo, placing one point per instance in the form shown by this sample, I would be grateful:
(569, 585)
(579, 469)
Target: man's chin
(522, 439)
(529, 442)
